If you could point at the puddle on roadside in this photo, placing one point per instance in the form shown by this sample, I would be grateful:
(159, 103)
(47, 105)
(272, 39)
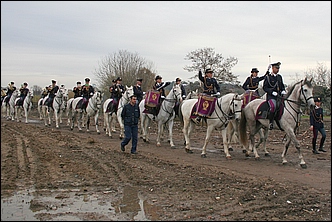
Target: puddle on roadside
(28, 205)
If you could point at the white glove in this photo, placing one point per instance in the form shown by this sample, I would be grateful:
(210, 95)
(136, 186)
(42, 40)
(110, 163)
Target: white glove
(183, 96)
(91, 94)
(143, 93)
(269, 67)
(283, 92)
(163, 97)
(218, 93)
(274, 93)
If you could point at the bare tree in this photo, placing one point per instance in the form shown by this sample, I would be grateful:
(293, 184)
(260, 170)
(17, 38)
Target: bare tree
(208, 58)
(322, 83)
(37, 90)
(128, 66)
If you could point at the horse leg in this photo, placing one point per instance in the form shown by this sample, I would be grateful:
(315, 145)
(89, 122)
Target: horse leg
(72, 119)
(87, 122)
(56, 119)
(263, 137)
(160, 132)
(292, 137)
(170, 129)
(185, 130)
(26, 111)
(225, 142)
(284, 152)
(113, 126)
(96, 123)
(207, 138)
(107, 119)
(79, 120)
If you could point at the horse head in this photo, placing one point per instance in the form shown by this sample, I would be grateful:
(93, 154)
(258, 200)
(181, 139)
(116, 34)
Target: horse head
(236, 107)
(128, 92)
(302, 93)
(98, 97)
(176, 92)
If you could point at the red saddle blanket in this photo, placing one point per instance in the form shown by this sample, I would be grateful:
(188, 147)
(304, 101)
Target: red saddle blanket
(205, 105)
(248, 96)
(152, 98)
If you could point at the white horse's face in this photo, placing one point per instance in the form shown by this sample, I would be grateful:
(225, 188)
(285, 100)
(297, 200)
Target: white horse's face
(307, 93)
(129, 92)
(177, 93)
(236, 107)
(98, 97)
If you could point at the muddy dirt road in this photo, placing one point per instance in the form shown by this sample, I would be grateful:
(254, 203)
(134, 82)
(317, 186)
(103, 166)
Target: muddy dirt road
(59, 174)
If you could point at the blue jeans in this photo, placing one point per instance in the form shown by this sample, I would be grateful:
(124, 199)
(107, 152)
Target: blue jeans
(131, 133)
(322, 140)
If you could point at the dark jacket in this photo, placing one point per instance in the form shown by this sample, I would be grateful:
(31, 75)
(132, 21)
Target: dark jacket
(138, 92)
(130, 114)
(24, 92)
(78, 92)
(161, 87)
(316, 117)
(10, 90)
(252, 83)
(183, 91)
(273, 83)
(117, 91)
(51, 93)
(210, 85)
(87, 91)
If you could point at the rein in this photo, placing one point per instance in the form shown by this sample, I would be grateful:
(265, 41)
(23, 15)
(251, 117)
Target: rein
(171, 101)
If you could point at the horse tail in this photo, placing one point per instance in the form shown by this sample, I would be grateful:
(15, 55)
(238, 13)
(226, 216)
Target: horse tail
(243, 129)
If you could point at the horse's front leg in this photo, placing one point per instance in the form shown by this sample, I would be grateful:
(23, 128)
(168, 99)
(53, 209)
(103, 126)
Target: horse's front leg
(96, 123)
(120, 120)
(160, 132)
(170, 129)
(186, 133)
(207, 138)
(26, 111)
(17, 114)
(263, 137)
(87, 122)
(225, 142)
(56, 116)
(79, 120)
(107, 119)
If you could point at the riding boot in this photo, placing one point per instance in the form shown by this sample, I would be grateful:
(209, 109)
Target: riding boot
(271, 119)
(197, 120)
(314, 150)
(321, 145)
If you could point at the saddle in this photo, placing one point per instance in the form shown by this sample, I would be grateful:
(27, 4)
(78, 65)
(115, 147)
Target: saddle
(263, 111)
(112, 106)
(248, 96)
(205, 105)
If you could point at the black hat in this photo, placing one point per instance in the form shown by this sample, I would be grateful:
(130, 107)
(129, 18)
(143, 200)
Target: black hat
(139, 80)
(177, 80)
(25, 84)
(318, 99)
(208, 71)
(276, 64)
(87, 80)
(78, 83)
(254, 70)
(113, 80)
(53, 81)
(12, 83)
(158, 77)
(119, 79)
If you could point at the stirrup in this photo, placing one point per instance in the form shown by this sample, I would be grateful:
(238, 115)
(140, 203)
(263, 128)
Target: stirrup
(270, 126)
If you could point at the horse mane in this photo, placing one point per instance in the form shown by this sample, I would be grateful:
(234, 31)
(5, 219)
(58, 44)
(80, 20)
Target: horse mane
(291, 87)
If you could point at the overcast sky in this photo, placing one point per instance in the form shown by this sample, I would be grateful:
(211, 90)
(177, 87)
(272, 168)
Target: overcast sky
(66, 41)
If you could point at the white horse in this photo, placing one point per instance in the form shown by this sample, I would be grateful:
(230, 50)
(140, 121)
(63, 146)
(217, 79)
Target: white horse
(39, 108)
(9, 108)
(298, 94)
(166, 115)
(26, 107)
(59, 105)
(110, 115)
(92, 109)
(233, 131)
(227, 107)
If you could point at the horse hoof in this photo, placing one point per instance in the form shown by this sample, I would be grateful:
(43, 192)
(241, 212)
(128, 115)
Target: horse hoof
(98, 132)
(244, 151)
(189, 151)
(267, 154)
(203, 155)
(257, 158)
(173, 147)
(230, 149)
(246, 154)
(158, 145)
(304, 166)
(228, 157)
